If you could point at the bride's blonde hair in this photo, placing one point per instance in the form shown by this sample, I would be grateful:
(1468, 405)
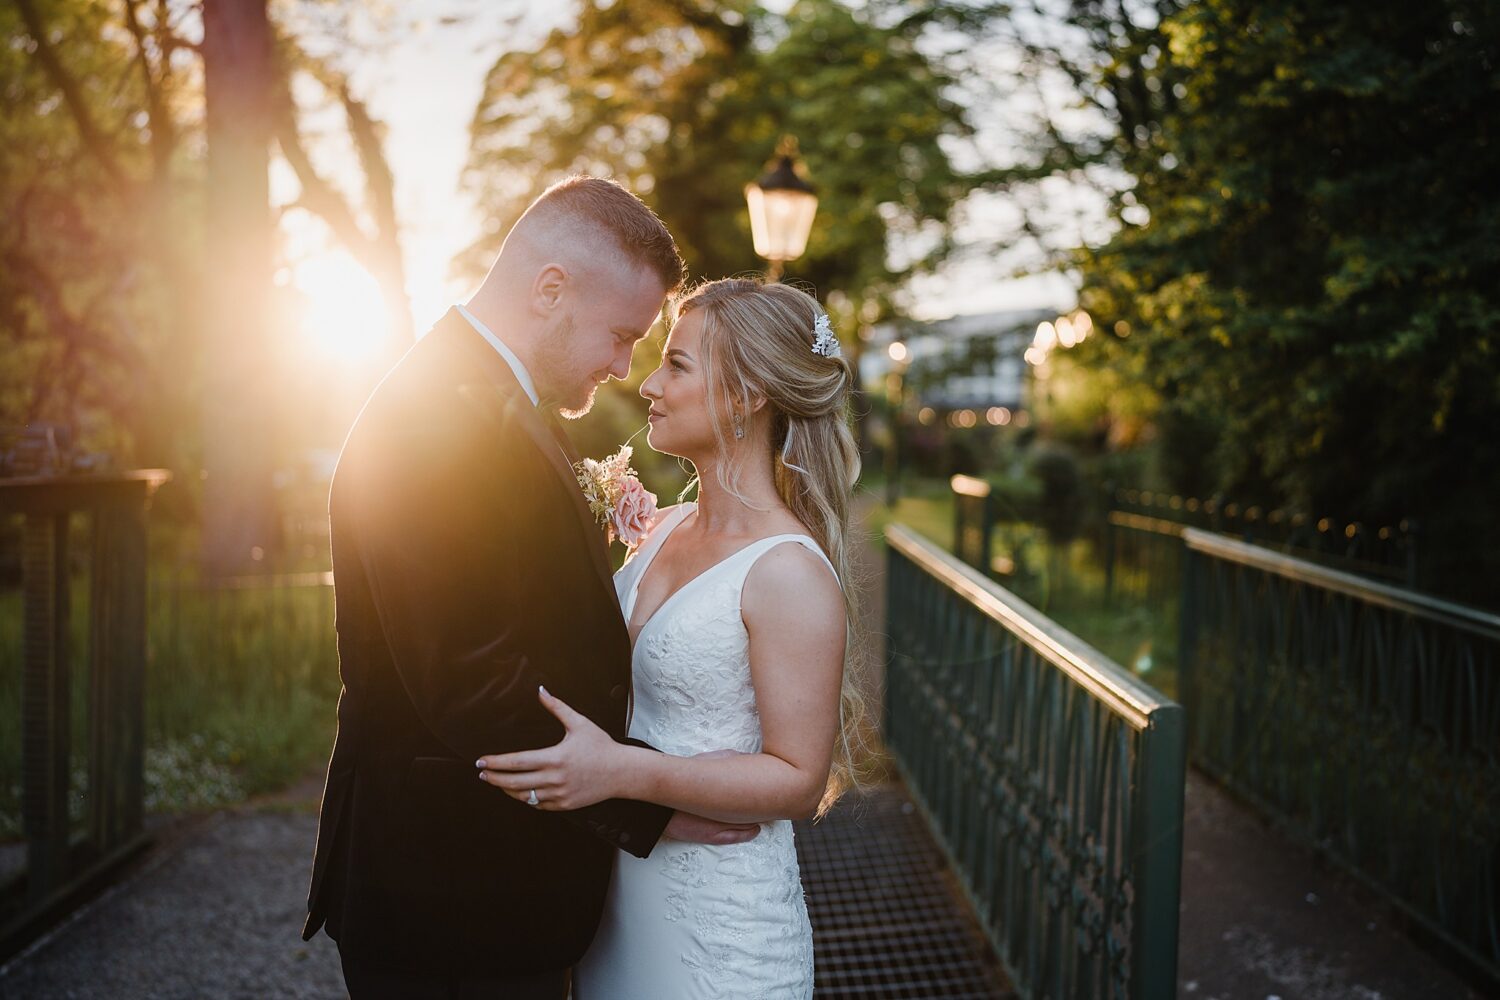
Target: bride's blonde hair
(757, 340)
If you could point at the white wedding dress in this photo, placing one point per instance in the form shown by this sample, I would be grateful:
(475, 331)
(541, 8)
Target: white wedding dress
(693, 920)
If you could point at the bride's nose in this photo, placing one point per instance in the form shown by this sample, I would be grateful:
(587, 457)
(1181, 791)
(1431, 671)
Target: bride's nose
(648, 387)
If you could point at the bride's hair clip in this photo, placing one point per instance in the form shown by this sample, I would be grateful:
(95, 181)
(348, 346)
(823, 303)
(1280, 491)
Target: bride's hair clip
(824, 342)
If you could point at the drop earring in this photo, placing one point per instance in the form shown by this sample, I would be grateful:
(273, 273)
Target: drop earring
(739, 428)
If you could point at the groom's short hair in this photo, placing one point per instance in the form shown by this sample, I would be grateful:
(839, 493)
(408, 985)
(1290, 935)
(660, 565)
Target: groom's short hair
(636, 230)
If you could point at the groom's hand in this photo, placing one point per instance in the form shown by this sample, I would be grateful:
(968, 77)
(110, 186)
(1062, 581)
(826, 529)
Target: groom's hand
(698, 830)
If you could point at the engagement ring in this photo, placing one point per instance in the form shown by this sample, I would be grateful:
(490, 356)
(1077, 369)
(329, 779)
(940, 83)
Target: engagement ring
(532, 799)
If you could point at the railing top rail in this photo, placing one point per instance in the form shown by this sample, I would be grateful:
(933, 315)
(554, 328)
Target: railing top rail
(32, 494)
(969, 486)
(1126, 695)
(151, 477)
(1384, 594)
(1141, 522)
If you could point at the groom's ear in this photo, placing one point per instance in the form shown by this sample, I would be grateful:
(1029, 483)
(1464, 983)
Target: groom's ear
(548, 287)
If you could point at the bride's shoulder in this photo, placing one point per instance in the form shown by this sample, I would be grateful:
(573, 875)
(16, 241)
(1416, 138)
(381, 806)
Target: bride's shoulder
(791, 600)
(792, 574)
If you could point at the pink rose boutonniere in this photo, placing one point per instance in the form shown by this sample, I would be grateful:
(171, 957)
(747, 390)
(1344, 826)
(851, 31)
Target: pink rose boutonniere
(618, 501)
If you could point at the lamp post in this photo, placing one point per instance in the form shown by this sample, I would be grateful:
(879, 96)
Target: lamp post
(782, 206)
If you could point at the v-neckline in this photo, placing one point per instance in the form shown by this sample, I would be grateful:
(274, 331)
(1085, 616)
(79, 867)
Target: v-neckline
(635, 591)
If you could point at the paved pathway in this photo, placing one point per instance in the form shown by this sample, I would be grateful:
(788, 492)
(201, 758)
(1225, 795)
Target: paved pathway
(1262, 918)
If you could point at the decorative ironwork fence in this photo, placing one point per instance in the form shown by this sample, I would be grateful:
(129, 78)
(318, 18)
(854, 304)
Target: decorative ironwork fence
(62, 861)
(1365, 718)
(1053, 777)
(1389, 553)
(1142, 558)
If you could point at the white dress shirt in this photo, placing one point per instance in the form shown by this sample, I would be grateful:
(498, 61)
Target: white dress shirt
(522, 375)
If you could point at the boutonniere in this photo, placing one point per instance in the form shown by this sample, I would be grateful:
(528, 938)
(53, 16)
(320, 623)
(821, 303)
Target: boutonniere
(618, 501)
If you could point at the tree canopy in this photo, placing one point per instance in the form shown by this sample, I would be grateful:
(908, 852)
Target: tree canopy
(1306, 257)
(102, 180)
(684, 102)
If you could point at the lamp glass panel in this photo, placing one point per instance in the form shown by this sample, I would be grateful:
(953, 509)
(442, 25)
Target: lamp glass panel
(780, 221)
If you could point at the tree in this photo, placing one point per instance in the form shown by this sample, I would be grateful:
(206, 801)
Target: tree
(1307, 259)
(238, 507)
(91, 191)
(683, 102)
(103, 315)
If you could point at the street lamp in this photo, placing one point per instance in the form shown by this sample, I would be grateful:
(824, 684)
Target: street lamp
(782, 205)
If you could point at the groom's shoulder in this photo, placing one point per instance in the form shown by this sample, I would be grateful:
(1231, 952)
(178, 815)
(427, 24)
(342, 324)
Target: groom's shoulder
(433, 387)
(432, 416)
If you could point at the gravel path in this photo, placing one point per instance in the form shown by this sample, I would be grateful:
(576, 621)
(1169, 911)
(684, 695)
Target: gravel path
(215, 913)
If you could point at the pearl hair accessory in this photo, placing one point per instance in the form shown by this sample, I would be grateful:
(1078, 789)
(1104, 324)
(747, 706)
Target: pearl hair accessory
(824, 342)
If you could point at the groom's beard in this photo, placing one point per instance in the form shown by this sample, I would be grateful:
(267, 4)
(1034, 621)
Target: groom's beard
(557, 377)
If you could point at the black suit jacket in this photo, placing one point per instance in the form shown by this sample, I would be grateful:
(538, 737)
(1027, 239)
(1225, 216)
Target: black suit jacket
(467, 572)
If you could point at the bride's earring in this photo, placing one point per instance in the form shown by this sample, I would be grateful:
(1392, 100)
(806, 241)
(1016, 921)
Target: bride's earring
(739, 427)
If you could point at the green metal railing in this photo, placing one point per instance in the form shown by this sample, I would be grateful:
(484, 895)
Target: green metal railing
(64, 860)
(1053, 777)
(1142, 558)
(1364, 717)
(1388, 553)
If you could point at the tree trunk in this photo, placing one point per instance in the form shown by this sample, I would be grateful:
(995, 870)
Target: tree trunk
(239, 510)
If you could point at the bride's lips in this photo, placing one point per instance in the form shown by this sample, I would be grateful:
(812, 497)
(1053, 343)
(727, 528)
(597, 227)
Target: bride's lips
(652, 416)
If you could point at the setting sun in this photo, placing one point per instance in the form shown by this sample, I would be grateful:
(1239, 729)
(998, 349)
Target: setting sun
(344, 314)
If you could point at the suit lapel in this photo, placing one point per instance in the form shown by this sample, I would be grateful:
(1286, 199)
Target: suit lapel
(518, 408)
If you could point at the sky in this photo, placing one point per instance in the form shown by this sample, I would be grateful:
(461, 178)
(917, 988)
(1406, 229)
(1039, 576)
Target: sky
(425, 85)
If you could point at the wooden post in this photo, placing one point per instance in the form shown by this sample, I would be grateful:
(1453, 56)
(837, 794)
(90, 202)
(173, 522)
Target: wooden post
(45, 703)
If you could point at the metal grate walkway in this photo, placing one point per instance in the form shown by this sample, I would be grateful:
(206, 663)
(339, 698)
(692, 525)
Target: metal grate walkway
(888, 918)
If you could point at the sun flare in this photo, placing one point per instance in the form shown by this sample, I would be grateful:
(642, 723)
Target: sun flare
(344, 314)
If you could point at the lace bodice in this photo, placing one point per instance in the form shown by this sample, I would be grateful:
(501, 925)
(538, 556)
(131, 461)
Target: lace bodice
(692, 680)
(694, 920)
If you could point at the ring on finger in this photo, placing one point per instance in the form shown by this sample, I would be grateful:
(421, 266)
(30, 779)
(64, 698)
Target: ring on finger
(531, 799)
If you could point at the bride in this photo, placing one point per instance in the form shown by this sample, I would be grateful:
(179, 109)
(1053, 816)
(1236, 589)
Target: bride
(739, 631)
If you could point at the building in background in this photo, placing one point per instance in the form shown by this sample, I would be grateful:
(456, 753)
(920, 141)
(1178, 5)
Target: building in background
(973, 364)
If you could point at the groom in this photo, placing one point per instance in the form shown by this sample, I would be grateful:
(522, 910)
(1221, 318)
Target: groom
(469, 572)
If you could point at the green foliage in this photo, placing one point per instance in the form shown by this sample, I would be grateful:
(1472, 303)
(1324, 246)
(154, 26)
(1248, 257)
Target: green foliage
(103, 267)
(1308, 261)
(1062, 504)
(683, 103)
(80, 265)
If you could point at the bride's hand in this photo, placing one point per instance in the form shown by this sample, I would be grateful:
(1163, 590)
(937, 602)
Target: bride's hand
(579, 771)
